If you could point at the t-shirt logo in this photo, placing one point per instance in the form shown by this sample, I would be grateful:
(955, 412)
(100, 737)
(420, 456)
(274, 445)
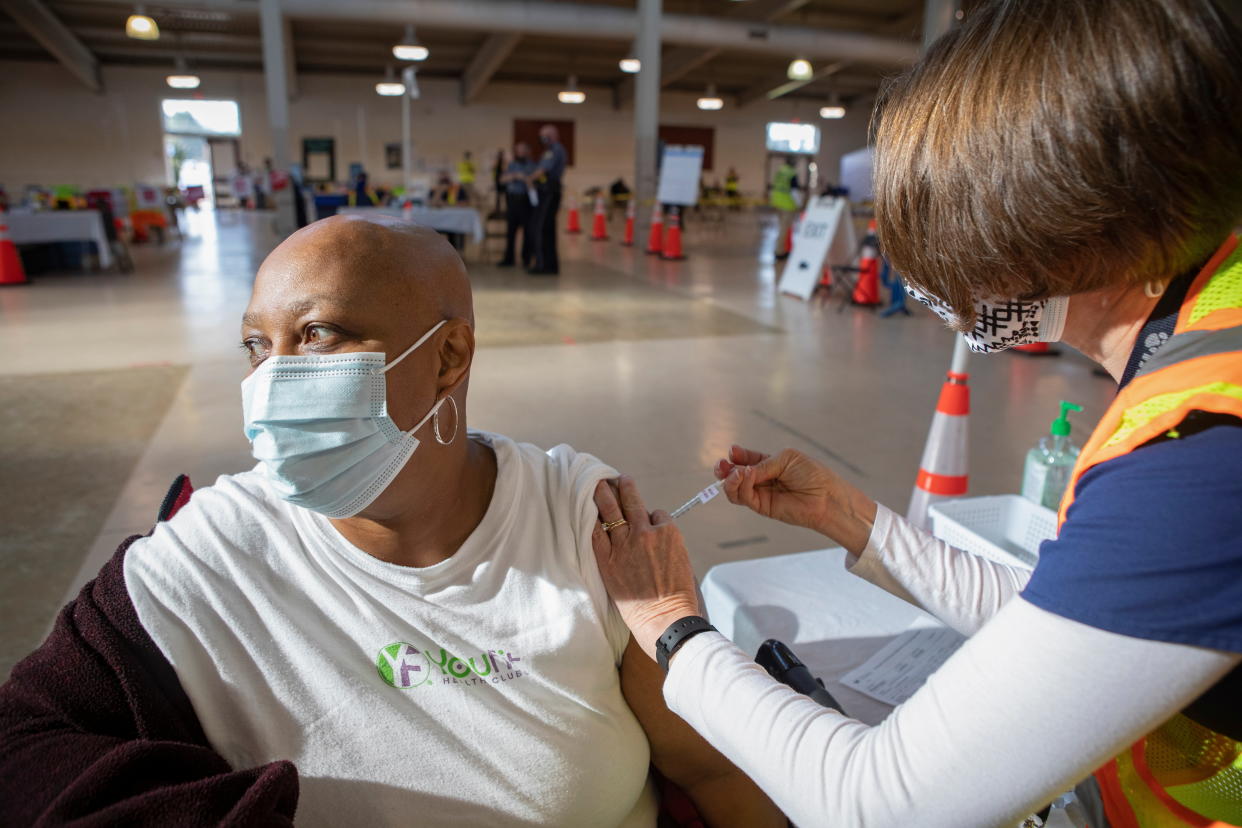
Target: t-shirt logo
(404, 666)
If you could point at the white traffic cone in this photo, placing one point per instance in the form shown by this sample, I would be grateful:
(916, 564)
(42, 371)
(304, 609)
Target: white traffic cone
(942, 472)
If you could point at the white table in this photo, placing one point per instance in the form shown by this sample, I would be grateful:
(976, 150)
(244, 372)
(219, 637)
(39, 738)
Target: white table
(61, 226)
(463, 220)
(832, 620)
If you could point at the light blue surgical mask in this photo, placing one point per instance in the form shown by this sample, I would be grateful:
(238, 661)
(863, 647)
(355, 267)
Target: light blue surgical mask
(319, 426)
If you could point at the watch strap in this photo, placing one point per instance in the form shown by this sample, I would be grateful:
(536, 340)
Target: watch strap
(678, 633)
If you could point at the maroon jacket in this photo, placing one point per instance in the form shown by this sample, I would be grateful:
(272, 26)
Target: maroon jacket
(96, 730)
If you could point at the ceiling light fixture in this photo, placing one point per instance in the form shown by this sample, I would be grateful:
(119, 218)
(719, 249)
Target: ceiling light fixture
(799, 69)
(141, 27)
(182, 78)
(389, 87)
(409, 48)
(571, 94)
(833, 109)
(710, 101)
(632, 65)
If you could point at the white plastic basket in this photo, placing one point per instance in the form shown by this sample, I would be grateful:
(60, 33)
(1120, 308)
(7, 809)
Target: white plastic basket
(1004, 528)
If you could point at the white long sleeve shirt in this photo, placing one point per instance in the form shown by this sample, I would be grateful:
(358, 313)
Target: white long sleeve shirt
(1031, 704)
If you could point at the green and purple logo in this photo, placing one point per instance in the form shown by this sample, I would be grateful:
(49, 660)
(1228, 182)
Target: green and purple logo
(405, 667)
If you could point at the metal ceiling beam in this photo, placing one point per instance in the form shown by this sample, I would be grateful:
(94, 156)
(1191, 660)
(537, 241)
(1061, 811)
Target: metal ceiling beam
(683, 60)
(766, 91)
(582, 20)
(679, 62)
(54, 36)
(489, 58)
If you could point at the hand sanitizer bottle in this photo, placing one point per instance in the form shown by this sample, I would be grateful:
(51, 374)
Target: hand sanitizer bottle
(1049, 465)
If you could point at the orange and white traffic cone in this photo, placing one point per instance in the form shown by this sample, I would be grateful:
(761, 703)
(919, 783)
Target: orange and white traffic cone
(11, 270)
(655, 238)
(825, 277)
(573, 225)
(672, 237)
(867, 290)
(628, 240)
(599, 224)
(942, 472)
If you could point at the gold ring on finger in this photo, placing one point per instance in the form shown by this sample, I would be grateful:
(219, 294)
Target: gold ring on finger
(613, 524)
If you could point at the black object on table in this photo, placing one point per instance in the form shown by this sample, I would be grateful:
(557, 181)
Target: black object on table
(782, 665)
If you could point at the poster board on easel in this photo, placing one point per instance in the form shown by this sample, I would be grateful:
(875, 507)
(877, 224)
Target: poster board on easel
(825, 237)
(680, 170)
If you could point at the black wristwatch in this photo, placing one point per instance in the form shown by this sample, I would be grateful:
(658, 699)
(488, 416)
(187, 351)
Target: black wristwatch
(678, 633)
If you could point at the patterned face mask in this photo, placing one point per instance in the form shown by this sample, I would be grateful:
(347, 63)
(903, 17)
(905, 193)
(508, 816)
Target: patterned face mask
(1004, 323)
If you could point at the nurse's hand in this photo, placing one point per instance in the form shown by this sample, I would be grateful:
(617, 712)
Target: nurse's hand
(794, 489)
(643, 562)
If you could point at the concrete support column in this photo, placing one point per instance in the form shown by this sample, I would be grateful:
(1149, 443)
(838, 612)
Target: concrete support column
(273, 28)
(275, 74)
(407, 138)
(646, 110)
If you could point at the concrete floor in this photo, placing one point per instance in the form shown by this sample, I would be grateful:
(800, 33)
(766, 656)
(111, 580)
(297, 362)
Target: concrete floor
(656, 367)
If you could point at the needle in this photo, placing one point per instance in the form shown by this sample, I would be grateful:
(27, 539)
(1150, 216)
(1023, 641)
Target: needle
(702, 497)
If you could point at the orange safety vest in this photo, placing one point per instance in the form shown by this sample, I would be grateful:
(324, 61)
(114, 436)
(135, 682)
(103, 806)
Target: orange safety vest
(1182, 773)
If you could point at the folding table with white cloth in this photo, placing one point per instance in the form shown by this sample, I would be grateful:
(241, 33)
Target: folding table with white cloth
(462, 220)
(61, 226)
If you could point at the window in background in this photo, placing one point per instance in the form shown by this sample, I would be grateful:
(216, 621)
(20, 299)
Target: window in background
(794, 138)
(194, 117)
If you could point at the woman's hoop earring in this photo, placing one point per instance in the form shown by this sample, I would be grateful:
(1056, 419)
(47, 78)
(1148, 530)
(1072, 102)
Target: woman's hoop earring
(1154, 288)
(435, 423)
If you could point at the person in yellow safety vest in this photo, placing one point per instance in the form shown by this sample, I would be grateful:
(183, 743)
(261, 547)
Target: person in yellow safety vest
(466, 175)
(732, 194)
(782, 196)
(1103, 216)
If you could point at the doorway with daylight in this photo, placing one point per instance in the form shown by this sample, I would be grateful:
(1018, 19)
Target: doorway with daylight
(201, 148)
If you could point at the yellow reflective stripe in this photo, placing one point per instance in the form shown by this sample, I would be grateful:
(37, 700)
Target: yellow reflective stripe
(1198, 767)
(1223, 290)
(1137, 416)
(1148, 810)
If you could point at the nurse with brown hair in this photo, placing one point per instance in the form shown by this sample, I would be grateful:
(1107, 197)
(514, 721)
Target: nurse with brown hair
(1050, 171)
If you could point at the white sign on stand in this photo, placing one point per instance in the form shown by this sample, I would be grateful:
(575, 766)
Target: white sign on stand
(680, 170)
(825, 237)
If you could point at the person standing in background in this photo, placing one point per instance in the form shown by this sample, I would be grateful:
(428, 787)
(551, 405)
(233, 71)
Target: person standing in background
(466, 175)
(731, 191)
(547, 180)
(782, 196)
(518, 206)
(243, 186)
(498, 172)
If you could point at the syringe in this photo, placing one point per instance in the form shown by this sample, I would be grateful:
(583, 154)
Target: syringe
(702, 497)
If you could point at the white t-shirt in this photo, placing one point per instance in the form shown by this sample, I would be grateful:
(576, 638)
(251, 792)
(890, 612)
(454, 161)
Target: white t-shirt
(482, 690)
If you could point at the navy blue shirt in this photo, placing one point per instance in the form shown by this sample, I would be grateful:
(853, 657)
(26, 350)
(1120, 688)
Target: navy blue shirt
(1152, 546)
(518, 166)
(553, 162)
